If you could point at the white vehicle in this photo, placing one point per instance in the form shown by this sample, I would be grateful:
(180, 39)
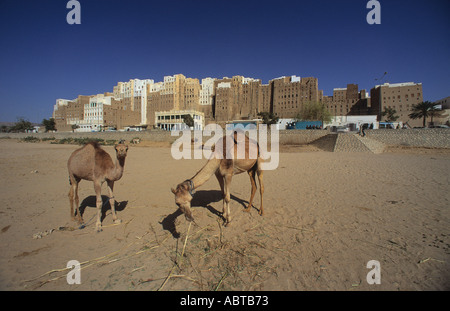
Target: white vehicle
(342, 129)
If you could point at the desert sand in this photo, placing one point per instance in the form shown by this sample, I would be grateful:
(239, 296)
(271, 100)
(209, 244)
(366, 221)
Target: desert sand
(326, 216)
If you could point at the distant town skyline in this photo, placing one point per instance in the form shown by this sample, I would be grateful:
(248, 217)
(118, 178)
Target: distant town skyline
(43, 58)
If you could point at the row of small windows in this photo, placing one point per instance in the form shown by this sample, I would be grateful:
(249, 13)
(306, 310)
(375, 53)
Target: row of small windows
(406, 96)
(384, 92)
(177, 117)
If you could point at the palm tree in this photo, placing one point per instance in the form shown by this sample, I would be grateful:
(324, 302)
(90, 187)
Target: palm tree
(422, 110)
(390, 114)
(268, 117)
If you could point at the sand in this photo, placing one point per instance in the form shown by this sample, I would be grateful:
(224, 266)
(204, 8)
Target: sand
(326, 216)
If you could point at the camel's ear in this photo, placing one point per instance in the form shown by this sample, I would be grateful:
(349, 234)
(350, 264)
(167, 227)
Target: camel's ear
(173, 190)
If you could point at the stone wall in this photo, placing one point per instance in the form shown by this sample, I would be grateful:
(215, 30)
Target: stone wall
(431, 138)
(144, 135)
(434, 138)
(296, 137)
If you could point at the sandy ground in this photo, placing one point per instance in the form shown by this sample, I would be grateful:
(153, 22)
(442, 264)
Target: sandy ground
(326, 215)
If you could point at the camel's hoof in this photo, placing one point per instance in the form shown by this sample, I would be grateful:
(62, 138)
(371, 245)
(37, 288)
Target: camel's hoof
(98, 228)
(118, 221)
(82, 226)
(247, 210)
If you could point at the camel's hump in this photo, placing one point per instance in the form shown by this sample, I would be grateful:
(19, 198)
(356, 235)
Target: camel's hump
(94, 144)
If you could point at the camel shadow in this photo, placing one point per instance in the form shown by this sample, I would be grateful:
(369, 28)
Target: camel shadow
(91, 201)
(202, 198)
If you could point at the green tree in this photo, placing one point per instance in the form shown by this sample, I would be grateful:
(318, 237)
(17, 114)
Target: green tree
(21, 125)
(74, 127)
(390, 114)
(50, 125)
(423, 110)
(268, 117)
(187, 119)
(314, 111)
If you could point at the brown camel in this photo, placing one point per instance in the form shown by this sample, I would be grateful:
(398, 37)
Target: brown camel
(93, 163)
(224, 169)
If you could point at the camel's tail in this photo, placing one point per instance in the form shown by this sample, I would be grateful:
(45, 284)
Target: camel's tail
(70, 181)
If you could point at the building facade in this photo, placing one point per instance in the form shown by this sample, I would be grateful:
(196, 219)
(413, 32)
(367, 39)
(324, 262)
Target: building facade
(173, 120)
(69, 112)
(347, 101)
(290, 93)
(141, 102)
(399, 96)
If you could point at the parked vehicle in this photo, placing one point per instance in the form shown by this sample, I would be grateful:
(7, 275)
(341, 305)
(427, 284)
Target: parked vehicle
(342, 129)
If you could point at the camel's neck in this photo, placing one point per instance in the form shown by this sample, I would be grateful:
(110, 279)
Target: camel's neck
(117, 172)
(205, 173)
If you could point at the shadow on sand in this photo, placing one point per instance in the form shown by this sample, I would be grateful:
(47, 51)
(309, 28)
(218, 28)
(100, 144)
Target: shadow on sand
(91, 201)
(202, 198)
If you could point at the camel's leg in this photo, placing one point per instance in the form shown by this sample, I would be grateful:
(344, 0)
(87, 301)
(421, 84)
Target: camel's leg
(98, 194)
(251, 173)
(73, 198)
(77, 203)
(220, 180)
(261, 188)
(226, 199)
(112, 202)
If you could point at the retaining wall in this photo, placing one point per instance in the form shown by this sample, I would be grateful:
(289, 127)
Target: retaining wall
(434, 138)
(296, 137)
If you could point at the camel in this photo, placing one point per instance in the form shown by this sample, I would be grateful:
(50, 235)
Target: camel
(92, 163)
(223, 169)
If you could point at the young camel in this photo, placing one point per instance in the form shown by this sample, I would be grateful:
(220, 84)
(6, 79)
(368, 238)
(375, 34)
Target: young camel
(224, 169)
(93, 163)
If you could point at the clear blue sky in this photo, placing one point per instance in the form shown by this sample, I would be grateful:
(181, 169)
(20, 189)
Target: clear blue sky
(43, 58)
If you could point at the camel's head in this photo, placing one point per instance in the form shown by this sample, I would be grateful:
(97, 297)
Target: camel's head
(121, 150)
(183, 198)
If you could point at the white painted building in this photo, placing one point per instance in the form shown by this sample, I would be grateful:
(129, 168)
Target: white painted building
(247, 80)
(283, 123)
(224, 85)
(207, 91)
(294, 78)
(61, 102)
(356, 120)
(93, 114)
(173, 120)
(135, 88)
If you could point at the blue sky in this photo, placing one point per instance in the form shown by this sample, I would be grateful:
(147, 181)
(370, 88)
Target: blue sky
(43, 58)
